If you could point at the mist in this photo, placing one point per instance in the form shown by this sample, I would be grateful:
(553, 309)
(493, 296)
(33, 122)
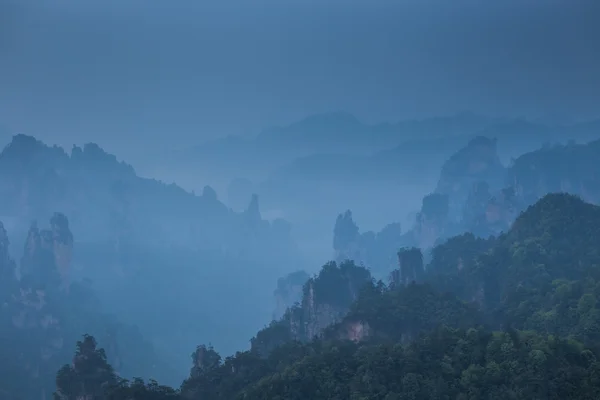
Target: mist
(174, 173)
(126, 72)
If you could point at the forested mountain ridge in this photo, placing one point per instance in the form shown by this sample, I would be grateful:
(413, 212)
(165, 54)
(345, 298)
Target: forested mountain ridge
(514, 316)
(476, 193)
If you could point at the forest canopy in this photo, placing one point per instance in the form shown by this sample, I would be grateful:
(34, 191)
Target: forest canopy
(514, 316)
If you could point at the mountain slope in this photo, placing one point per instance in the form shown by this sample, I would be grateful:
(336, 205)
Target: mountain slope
(152, 251)
(457, 333)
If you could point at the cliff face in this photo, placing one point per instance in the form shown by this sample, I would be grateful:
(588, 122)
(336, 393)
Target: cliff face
(489, 214)
(346, 237)
(132, 232)
(41, 310)
(478, 161)
(107, 201)
(289, 292)
(432, 222)
(571, 168)
(475, 193)
(50, 249)
(373, 250)
(484, 198)
(318, 314)
(32, 317)
(326, 299)
(7, 265)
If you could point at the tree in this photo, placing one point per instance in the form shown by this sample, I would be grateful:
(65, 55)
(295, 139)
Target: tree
(88, 377)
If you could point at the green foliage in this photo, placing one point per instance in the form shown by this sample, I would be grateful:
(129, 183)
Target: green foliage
(402, 313)
(139, 390)
(91, 377)
(512, 317)
(446, 364)
(337, 285)
(90, 374)
(326, 299)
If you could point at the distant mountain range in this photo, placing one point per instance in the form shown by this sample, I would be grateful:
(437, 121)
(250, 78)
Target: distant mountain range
(337, 145)
(337, 133)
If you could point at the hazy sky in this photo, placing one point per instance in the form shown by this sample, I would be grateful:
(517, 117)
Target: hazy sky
(125, 72)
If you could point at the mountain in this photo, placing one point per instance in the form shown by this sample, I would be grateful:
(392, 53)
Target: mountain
(397, 178)
(331, 135)
(424, 150)
(476, 193)
(337, 132)
(512, 316)
(42, 312)
(153, 252)
(310, 170)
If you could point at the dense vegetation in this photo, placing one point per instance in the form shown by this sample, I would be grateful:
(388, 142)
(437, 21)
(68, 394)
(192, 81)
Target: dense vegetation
(514, 316)
(483, 297)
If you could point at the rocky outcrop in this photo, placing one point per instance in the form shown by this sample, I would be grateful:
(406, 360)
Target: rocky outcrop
(41, 310)
(62, 245)
(319, 314)
(571, 168)
(326, 300)
(410, 267)
(48, 252)
(376, 251)
(8, 277)
(478, 161)
(107, 201)
(486, 214)
(203, 359)
(289, 292)
(346, 238)
(31, 315)
(354, 330)
(432, 222)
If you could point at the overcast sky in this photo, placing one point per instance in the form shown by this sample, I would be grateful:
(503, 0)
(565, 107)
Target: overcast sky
(127, 72)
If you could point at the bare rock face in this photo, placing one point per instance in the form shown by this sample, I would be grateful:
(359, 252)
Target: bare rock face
(6, 263)
(486, 214)
(253, 210)
(432, 221)
(62, 245)
(29, 304)
(289, 292)
(355, 331)
(319, 315)
(410, 267)
(345, 238)
(326, 300)
(374, 250)
(478, 161)
(8, 277)
(49, 251)
(571, 168)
